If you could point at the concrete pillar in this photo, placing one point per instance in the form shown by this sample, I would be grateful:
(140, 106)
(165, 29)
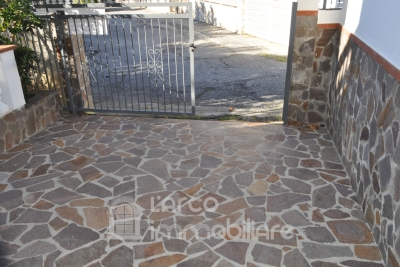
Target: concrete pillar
(11, 89)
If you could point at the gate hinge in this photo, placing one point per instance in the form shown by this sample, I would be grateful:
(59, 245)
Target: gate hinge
(192, 46)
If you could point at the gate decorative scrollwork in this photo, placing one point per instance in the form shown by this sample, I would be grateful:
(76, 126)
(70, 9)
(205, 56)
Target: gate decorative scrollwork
(155, 63)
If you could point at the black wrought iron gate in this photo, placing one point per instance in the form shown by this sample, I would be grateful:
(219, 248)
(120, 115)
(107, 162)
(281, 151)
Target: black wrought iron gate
(129, 63)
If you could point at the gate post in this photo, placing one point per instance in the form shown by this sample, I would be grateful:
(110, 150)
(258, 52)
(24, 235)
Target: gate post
(59, 25)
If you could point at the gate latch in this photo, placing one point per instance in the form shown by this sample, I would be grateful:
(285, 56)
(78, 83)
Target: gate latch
(193, 47)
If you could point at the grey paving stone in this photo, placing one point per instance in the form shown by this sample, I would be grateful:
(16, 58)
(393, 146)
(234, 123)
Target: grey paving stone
(157, 168)
(324, 264)
(83, 256)
(32, 181)
(267, 255)
(294, 258)
(303, 174)
(109, 181)
(284, 201)
(7, 248)
(11, 199)
(31, 262)
(256, 214)
(128, 171)
(73, 236)
(297, 186)
(109, 167)
(319, 234)
(37, 232)
(295, 218)
(189, 164)
(205, 260)
(353, 263)
(41, 187)
(196, 247)
(94, 190)
(15, 213)
(234, 251)
(124, 188)
(61, 196)
(35, 249)
(60, 157)
(120, 257)
(322, 251)
(11, 232)
(15, 163)
(209, 162)
(50, 259)
(175, 245)
(230, 189)
(199, 172)
(71, 183)
(324, 197)
(5, 261)
(34, 216)
(148, 184)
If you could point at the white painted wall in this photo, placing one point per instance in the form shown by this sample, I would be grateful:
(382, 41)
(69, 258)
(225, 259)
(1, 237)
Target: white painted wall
(224, 16)
(10, 82)
(375, 23)
(307, 5)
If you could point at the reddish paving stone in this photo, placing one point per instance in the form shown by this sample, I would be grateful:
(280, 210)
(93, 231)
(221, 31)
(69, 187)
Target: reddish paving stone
(371, 253)
(352, 232)
(232, 207)
(57, 223)
(43, 205)
(149, 250)
(90, 173)
(71, 214)
(97, 218)
(163, 261)
(75, 165)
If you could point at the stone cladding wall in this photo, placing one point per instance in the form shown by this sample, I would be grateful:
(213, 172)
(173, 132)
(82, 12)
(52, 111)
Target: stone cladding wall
(40, 111)
(363, 119)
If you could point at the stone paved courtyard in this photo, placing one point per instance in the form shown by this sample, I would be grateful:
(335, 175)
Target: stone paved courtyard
(57, 189)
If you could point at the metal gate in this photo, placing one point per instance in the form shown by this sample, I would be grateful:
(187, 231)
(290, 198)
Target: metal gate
(129, 63)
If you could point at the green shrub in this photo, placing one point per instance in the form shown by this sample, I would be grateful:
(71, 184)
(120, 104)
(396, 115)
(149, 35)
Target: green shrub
(17, 17)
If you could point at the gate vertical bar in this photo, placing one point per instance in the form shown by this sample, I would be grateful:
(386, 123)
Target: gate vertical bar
(192, 48)
(289, 64)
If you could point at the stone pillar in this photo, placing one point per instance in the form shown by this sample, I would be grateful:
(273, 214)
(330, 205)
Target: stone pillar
(81, 87)
(303, 69)
(312, 67)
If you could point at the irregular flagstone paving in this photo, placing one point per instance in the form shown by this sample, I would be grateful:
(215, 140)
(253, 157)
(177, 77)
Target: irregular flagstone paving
(57, 189)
